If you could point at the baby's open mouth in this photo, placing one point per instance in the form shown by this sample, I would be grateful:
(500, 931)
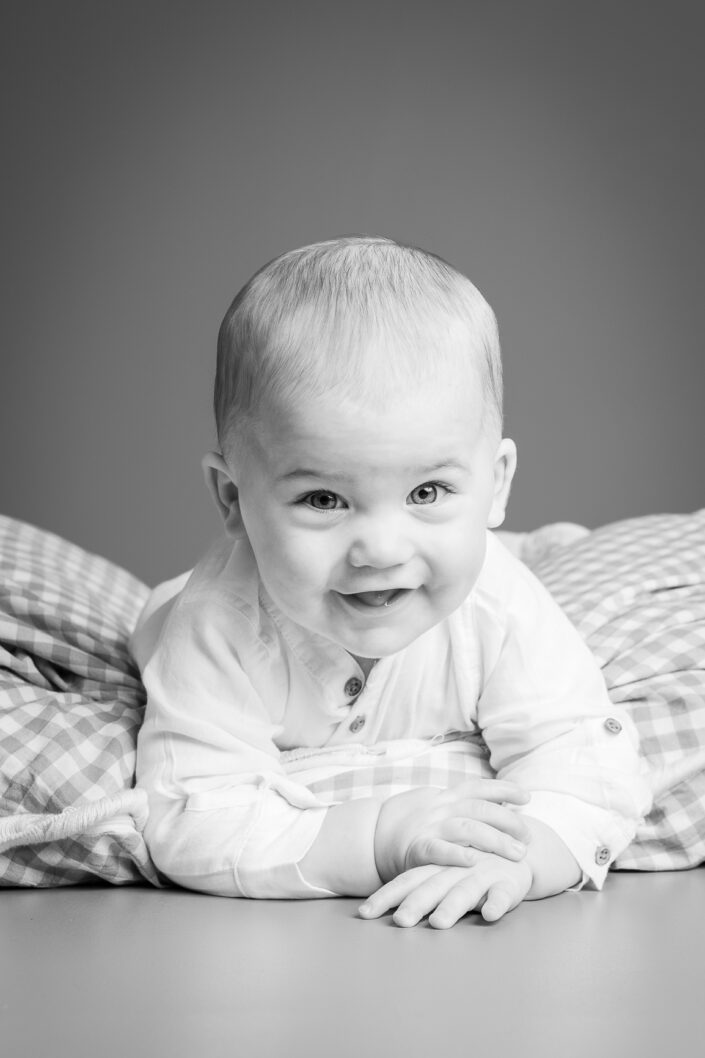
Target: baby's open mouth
(377, 598)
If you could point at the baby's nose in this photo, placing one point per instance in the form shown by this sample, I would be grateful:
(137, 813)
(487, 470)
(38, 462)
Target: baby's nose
(380, 544)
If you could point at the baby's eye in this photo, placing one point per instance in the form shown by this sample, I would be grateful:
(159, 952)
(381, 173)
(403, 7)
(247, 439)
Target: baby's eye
(426, 493)
(323, 501)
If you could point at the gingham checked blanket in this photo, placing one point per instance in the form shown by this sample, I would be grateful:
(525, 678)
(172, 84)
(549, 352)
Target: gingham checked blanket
(71, 700)
(635, 590)
(70, 705)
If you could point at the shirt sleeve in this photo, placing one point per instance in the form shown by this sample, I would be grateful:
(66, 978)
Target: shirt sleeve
(223, 817)
(548, 721)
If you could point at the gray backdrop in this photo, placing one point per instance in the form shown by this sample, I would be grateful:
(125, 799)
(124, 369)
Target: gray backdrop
(156, 153)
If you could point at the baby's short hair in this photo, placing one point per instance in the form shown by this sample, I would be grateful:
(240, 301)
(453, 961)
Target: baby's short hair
(305, 321)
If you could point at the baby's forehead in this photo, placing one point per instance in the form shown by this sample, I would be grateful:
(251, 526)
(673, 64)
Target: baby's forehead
(375, 391)
(347, 437)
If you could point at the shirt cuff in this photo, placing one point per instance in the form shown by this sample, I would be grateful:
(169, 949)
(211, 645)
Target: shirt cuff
(594, 836)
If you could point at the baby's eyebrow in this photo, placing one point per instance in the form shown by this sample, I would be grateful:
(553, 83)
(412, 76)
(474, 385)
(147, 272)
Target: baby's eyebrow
(442, 464)
(305, 472)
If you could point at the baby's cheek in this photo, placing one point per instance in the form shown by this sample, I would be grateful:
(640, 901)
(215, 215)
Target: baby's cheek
(304, 567)
(461, 554)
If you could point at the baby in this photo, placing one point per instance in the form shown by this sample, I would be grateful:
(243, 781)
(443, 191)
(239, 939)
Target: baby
(357, 599)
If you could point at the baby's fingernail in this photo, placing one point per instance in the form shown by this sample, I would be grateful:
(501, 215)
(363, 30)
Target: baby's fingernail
(440, 923)
(403, 918)
(364, 909)
(518, 848)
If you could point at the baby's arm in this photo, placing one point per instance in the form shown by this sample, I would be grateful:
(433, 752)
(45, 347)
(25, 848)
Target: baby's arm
(550, 726)
(362, 843)
(223, 817)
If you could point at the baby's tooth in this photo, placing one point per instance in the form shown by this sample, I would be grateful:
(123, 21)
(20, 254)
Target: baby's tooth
(375, 598)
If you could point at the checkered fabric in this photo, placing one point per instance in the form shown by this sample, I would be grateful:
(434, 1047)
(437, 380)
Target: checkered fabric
(636, 592)
(344, 773)
(70, 705)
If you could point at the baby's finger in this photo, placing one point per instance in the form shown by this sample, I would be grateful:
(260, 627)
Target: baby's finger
(392, 894)
(497, 816)
(500, 899)
(466, 895)
(425, 897)
(440, 853)
(485, 837)
(497, 790)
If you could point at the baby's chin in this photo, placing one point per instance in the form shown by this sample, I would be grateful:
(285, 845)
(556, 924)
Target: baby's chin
(375, 647)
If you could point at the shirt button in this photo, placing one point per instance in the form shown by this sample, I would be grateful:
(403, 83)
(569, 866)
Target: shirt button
(602, 855)
(353, 687)
(357, 724)
(613, 726)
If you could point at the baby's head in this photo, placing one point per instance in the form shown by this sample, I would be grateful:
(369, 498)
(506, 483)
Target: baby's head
(359, 414)
(359, 316)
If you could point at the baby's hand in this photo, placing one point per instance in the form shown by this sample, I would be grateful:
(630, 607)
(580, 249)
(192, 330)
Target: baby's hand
(493, 886)
(446, 827)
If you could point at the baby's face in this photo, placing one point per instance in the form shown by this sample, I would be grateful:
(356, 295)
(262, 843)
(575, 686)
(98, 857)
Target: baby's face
(368, 523)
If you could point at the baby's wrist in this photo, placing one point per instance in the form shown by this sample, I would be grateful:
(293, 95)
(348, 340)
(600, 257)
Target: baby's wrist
(341, 859)
(392, 838)
(382, 845)
(553, 866)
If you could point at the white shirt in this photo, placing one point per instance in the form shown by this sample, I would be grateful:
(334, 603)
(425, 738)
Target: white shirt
(231, 683)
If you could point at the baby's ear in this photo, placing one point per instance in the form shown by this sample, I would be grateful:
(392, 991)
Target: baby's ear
(224, 491)
(504, 466)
